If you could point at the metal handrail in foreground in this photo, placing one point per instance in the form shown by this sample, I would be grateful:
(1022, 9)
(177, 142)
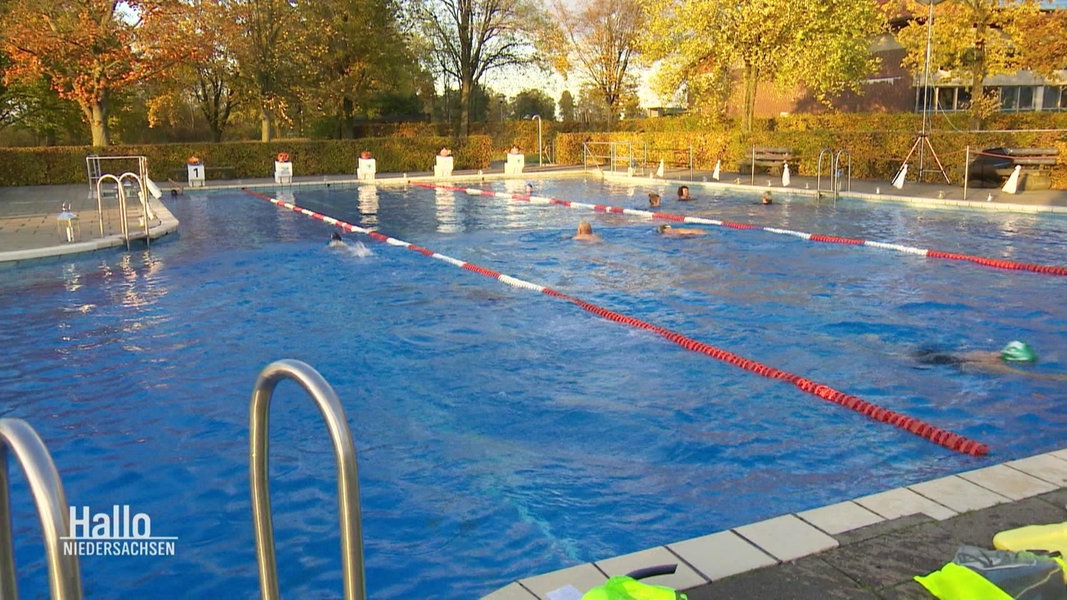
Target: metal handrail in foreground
(347, 475)
(64, 574)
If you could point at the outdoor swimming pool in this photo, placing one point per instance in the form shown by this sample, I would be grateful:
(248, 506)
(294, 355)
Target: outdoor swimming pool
(501, 432)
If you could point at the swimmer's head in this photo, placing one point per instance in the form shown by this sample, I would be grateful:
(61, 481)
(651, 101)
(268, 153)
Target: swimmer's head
(336, 237)
(584, 228)
(664, 228)
(767, 197)
(1017, 351)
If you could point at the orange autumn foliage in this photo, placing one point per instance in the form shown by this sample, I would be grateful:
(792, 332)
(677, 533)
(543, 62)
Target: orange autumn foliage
(88, 49)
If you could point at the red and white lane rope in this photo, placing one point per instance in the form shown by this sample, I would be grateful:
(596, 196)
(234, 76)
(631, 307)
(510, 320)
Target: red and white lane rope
(814, 237)
(934, 434)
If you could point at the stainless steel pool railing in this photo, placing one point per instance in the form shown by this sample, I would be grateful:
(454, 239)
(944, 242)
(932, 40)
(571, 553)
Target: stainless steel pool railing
(64, 574)
(347, 475)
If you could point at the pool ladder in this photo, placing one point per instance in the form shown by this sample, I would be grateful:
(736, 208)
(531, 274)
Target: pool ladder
(839, 177)
(64, 575)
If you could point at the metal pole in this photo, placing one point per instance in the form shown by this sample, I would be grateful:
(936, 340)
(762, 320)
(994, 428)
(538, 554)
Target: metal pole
(966, 170)
(926, 84)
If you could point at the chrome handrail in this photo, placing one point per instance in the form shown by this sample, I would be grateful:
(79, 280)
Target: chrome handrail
(818, 171)
(347, 475)
(64, 578)
(838, 170)
(142, 196)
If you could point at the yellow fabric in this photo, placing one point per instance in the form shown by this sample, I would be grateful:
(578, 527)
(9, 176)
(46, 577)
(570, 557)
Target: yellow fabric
(1033, 537)
(956, 582)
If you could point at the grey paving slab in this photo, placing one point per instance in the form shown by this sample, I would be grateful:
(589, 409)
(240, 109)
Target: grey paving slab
(1008, 482)
(583, 577)
(1047, 467)
(958, 494)
(807, 579)
(684, 577)
(841, 517)
(722, 554)
(903, 502)
(513, 591)
(786, 537)
(893, 559)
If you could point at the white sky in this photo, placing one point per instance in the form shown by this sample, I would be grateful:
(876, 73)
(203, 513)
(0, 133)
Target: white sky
(512, 82)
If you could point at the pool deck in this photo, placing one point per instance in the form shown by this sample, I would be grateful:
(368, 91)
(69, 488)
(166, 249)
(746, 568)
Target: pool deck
(869, 547)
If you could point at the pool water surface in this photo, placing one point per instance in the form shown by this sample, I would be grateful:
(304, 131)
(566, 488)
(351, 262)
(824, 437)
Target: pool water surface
(503, 433)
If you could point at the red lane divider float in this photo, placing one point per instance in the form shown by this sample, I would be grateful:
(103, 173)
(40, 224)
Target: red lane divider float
(995, 263)
(937, 435)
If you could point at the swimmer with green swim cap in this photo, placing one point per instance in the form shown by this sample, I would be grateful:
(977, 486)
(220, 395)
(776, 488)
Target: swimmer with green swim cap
(989, 362)
(1017, 351)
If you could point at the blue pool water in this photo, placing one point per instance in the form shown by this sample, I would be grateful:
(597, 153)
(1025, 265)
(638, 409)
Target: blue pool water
(504, 433)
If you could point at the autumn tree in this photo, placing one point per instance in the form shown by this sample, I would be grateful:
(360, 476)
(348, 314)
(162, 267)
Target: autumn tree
(88, 50)
(210, 83)
(1045, 48)
(358, 55)
(468, 38)
(269, 52)
(972, 38)
(823, 46)
(599, 41)
(533, 102)
(566, 106)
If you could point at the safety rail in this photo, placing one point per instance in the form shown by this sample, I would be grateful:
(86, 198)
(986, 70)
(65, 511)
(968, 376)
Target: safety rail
(615, 153)
(840, 178)
(120, 193)
(64, 577)
(347, 475)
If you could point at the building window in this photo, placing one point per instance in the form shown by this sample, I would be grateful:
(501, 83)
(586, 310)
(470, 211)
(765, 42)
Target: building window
(1009, 98)
(1026, 97)
(1055, 98)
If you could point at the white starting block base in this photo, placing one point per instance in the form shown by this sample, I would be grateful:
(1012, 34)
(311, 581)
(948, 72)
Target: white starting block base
(283, 172)
(367, 168)
(515, 164)
(443, 167)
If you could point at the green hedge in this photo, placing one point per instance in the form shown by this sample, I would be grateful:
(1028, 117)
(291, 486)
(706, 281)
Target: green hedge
(878, 144)
(55, 165)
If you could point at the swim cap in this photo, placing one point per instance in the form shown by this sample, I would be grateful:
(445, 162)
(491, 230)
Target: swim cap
(1018, 351)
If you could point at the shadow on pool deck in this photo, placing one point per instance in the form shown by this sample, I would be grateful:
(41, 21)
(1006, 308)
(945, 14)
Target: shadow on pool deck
(866, 548)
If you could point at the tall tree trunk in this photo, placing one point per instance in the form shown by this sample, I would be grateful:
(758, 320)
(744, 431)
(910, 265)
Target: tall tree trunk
(748, 108)
(465, 88)
(96, 114)
(348, 124)
(266, 123)
(978, 73)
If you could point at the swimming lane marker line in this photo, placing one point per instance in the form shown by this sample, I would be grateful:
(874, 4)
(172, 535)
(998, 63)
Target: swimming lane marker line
(995, 263)
(939, 436)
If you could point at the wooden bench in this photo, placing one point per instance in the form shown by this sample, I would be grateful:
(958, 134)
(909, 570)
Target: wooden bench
(1036, 163)
(771, 158)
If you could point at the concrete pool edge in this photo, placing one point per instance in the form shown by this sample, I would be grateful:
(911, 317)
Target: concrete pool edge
(167, 224)
(708, 560)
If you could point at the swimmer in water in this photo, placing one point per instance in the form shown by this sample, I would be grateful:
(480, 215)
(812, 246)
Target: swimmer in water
(670, 231)
(683, 194)
(336, 241)
(985, 361)
(766, 199)
(653, 199)
(585, 233)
